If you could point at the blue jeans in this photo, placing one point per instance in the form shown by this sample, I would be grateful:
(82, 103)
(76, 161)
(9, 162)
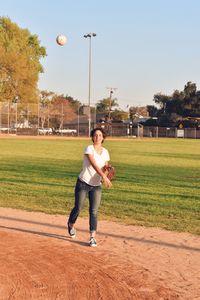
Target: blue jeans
(82, 190)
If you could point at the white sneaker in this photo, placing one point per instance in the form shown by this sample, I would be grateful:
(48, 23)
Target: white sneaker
(71, 231)
(93, 242)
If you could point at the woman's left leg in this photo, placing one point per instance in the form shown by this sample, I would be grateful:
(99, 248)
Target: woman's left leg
(94, 202)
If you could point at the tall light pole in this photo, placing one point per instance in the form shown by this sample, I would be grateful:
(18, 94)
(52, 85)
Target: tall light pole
(89, 35)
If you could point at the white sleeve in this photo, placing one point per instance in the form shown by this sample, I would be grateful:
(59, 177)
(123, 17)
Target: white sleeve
(88, 150)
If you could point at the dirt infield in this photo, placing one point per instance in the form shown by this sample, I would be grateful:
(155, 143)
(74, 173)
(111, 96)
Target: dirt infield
(39, 261)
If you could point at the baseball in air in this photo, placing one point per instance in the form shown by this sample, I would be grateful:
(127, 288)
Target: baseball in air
(61, 40)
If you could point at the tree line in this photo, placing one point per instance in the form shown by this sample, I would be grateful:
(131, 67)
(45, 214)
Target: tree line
(180, 108)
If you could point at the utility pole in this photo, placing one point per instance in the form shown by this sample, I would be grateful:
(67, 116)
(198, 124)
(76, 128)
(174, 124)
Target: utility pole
(112, 89)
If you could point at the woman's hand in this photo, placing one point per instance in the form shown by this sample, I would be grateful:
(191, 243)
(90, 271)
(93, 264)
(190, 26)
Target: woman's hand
(106, 181)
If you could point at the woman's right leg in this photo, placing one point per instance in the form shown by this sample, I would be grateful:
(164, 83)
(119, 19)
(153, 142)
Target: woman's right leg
(80, 195)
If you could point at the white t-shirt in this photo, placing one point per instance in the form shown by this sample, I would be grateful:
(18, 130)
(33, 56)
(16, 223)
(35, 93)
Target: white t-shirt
(88, 173)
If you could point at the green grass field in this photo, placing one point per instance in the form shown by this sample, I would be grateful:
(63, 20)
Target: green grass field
(157, 182)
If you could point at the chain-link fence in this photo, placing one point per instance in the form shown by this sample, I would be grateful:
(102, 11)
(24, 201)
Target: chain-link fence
(37, 119)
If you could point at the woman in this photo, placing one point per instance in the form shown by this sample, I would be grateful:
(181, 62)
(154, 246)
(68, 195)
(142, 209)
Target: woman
(89, 183)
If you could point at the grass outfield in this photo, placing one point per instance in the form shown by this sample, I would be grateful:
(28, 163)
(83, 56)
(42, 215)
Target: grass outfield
(157, 182)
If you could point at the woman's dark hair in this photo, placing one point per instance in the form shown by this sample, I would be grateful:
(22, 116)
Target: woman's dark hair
(100, 129)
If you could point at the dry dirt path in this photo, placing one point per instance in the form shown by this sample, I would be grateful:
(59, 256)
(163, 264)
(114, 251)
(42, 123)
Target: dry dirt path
(39, 261)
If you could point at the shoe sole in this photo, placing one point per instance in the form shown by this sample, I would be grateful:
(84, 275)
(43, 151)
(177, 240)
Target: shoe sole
(72, 236)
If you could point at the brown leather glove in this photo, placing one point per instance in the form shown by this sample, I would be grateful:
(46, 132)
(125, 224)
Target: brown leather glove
(109, 171)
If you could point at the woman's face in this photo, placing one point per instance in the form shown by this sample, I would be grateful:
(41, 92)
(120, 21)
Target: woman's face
(97, 137)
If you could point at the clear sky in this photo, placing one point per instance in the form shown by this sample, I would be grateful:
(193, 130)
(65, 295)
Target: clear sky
(142, 47)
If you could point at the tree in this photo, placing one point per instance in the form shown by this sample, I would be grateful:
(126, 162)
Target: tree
(152, 110)
(137, 111)
(106, 104)
(105, 108)
(119, 115)
(19, 62)
(45, 106)
(61, 111)
(161, 100)
(190, 89)
(75, 104)
(178, 106)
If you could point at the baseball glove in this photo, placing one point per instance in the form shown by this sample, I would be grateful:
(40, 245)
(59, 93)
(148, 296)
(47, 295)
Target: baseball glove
(110, 172)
